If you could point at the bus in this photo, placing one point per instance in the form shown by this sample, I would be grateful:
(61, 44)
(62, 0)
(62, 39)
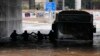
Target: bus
(74, 25)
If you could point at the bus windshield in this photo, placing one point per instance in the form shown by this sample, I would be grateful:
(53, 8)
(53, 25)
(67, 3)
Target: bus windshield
(74, 18)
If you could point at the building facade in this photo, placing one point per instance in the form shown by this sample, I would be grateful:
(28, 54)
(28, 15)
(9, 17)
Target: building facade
(85, 4)
(67, 4)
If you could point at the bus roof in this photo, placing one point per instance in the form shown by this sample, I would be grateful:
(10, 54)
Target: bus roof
(73, 12)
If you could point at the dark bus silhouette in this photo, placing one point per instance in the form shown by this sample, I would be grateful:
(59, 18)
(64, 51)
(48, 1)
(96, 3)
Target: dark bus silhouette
(74, 25)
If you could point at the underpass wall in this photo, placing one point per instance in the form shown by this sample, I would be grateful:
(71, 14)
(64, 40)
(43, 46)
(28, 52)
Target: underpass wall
(10, 17)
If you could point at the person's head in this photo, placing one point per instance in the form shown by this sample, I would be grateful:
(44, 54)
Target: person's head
(25, 31)
(14, 31)
(38, 31)
(51, 30)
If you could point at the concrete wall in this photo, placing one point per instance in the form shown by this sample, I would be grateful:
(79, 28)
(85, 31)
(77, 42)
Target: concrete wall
(10, 17)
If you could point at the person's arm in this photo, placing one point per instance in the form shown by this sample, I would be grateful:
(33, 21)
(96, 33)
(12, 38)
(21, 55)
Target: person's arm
(34, 33)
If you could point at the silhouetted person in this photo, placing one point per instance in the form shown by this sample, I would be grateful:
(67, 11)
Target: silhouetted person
(54, 29)
(40, 37)
(25, 35)
(52, 38)
(14, 35)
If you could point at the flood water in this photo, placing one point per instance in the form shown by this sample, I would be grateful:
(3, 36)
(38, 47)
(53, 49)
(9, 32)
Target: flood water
(46, 49)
